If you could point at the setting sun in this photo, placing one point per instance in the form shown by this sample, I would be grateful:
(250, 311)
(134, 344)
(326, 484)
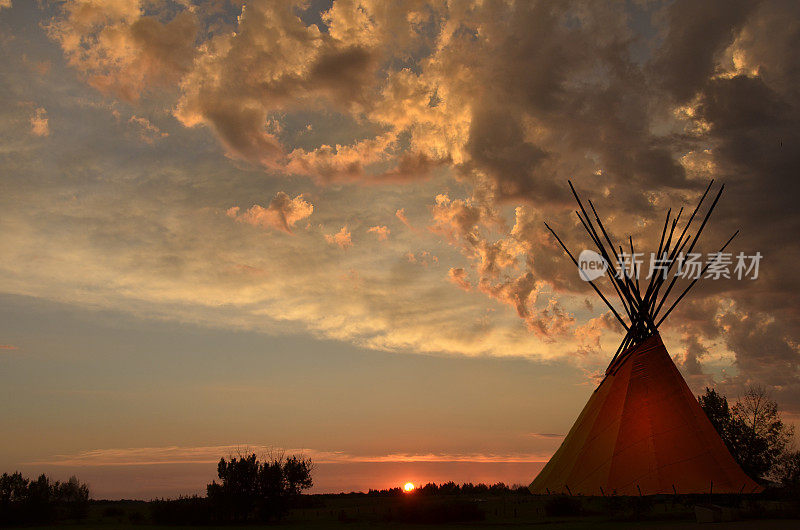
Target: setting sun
(409, 486)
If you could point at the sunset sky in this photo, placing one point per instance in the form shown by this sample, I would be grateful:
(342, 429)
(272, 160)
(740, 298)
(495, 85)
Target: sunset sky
(317, 227)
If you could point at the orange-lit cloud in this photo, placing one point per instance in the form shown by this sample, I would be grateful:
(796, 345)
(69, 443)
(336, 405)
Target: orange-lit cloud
(341, 238)
(211, 454)
(39, 123)
(282, 213)
(546, 435)
(340, 162)
(382, 232)
(458, 276)
(401, 214)
(122, 51)
(147, 132)
(422, 257)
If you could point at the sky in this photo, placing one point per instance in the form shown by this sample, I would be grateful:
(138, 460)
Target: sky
(317, 227)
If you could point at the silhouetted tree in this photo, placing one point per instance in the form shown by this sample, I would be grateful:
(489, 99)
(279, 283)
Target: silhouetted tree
(499, 488)
(429, 489)
(297, 472)
(751, 429)
(41, 500)
(449, 488)
(764, 436)
(13, 488)
(788, 469)
(715, 405)
(254, 490)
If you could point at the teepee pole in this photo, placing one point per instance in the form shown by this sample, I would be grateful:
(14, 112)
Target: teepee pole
(657, 281)
(680, 238)
(596, 238)
(627, 286)
(691, 247)
(675, 303)
(611, 307)
(676, 251)
(634, 291)
(604, 254)
(661, 250)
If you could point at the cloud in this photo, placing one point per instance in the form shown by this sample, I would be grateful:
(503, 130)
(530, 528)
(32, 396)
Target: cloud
(341, 162)
(456, 219)
(697, 34)
(589, 334)
(137, 456)
(290, 66)
(39, 122)
(545, 435)
(517, 292)
(401, 214)
(148, 132)
(764, 350)
(341, 238)
(497, 262)
(122, 51)
(422, 257)
(382, 232)
(477, 111)
(282, 213)
(692, 355)
(458, 276)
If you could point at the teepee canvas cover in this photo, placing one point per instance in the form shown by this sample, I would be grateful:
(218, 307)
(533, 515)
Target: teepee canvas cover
(642, 432)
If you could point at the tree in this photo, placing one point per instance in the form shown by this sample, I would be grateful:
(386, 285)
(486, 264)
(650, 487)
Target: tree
(13, 488)
(752, 430)
(716, 408)
(41, 500)
(297, 472)
(258, 490)
(449, 488)
(73, 496)
(788, 469)
(764, 436)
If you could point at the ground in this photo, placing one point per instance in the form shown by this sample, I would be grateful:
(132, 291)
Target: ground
(357, 511)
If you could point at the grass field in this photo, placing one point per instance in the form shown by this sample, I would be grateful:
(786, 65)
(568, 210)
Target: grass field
(766, 524)
(356, 511)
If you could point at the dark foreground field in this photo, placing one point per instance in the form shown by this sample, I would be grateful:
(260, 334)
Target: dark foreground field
(355, 511)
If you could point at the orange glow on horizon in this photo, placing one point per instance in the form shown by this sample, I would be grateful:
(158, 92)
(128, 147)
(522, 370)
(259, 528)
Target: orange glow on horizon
(408, 487)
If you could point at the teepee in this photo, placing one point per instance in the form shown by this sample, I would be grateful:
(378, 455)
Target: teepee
(642, 432)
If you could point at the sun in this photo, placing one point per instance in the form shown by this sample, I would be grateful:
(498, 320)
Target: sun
(409, 486)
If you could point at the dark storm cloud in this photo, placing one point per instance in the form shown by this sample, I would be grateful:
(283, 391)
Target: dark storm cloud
(696, 34)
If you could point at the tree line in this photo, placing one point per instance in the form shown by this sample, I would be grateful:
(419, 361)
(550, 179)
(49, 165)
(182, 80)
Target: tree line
(43, 500)
(451, 488)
